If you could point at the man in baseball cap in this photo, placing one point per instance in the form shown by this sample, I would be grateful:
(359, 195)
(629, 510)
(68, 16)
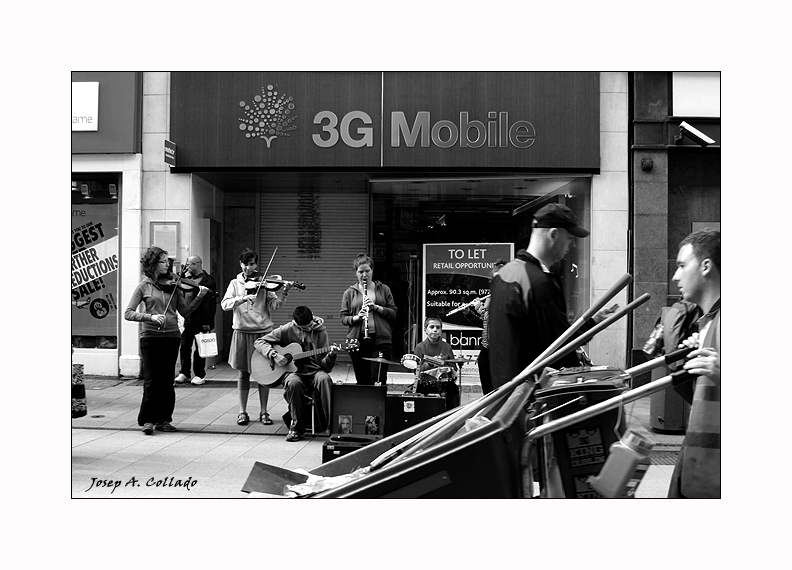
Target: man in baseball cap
(559, 216)
(527, 303)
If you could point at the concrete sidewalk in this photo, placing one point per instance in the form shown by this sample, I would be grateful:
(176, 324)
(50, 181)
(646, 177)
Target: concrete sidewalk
(107, 444)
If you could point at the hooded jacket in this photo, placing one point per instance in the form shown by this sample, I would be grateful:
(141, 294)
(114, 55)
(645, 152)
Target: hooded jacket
(158, 302)
(312, 339)
(352, 302)
(247, 318)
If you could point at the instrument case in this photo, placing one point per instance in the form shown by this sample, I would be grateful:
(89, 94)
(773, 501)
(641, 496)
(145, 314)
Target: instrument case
(407, 410)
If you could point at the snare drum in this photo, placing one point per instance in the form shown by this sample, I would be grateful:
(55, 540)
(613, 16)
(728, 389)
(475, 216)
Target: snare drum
(435, 377)
(410, 361)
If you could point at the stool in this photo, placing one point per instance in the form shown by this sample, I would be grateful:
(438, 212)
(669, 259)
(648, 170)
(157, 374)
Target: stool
(309, 403)
(309, 408)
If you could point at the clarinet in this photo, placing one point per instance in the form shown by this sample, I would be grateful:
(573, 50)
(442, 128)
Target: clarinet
(365, 315)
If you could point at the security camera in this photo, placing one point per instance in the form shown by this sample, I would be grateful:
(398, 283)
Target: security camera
(694, 134)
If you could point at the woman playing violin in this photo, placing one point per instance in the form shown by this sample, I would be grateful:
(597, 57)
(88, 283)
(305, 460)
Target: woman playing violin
(252, 303)
(159, 337)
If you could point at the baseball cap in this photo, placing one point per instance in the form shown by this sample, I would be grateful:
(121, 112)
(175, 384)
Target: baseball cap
(558, 216)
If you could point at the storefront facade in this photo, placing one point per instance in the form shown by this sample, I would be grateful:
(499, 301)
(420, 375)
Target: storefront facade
(105, 189)
(676, 180)
(310, 169)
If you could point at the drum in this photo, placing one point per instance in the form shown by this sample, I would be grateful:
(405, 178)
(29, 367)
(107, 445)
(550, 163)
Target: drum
(410, 361)
(435, 377)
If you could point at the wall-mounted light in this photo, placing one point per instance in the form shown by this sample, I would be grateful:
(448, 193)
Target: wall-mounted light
(85, 191)
(113, 191)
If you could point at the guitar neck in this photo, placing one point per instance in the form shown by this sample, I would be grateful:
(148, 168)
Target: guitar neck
(310, 353)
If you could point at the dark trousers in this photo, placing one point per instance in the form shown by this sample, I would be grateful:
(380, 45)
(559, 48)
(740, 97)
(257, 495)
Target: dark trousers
(367, 372)
(186, 348)
(485, 376)
(297, 388)
(159, 397)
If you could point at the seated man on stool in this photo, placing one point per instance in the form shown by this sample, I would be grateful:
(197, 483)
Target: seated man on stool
(312, 377)
(434, 376)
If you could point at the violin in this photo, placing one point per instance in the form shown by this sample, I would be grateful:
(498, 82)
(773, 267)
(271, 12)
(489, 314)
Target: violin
(168, 282)
(270, 283)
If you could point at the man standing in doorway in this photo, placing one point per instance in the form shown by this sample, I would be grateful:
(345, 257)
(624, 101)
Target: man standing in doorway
(697, 471)
(528, 311)
(199, 321)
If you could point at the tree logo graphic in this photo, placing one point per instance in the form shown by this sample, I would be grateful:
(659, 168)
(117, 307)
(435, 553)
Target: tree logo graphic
(268, 116)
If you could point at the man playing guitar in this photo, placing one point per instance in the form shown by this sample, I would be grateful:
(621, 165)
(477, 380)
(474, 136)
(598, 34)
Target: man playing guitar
(312, 375)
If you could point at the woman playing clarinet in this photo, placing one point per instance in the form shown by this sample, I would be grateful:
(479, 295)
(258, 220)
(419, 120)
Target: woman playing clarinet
(367, 308)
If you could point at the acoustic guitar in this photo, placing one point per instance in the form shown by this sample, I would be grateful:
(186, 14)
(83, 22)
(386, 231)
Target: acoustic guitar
(264, 370)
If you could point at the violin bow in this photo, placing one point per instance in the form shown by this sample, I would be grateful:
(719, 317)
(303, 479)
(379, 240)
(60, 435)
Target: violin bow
(266, 271)
(165, 314)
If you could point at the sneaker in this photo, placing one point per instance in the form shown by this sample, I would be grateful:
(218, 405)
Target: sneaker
(165, 426)
(198, 381)
(293, 436)
(181, 379)
(148, 428)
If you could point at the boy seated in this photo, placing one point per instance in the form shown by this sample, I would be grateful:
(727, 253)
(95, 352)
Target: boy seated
(434, 375)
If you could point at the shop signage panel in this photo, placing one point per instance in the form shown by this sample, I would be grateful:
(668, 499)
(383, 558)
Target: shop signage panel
(276, 119)
(547, 120)
(107, 107)
(492, 119)
(170, 153)
(455, 274)
(85, 106)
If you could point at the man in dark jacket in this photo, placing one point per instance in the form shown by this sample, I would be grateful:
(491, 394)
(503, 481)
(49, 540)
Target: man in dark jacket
(199, 321)
(310, 375)
(527, 310)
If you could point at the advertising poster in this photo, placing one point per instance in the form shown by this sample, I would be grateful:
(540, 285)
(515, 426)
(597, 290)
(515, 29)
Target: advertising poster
(456, 274)
(94, 270)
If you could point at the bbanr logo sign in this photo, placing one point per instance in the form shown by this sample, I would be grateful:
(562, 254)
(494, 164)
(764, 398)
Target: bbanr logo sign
(355, 130)
(268, 116)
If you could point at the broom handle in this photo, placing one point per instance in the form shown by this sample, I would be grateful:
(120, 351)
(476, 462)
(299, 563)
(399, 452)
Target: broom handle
(438, 430)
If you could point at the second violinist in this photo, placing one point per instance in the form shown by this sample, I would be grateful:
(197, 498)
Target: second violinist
(252, 318)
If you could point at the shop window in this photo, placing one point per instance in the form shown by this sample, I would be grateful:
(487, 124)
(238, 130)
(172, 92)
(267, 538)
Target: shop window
(94, 247)
(408, 213)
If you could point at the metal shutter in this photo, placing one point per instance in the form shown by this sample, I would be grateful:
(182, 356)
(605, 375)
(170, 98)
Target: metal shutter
(318, 236)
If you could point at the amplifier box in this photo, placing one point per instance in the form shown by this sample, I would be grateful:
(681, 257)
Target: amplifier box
(339, 445)
(406, 410)
(358, 409)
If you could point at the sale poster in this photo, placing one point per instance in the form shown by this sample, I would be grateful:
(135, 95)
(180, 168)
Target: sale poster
(94, 270)
(455, 274)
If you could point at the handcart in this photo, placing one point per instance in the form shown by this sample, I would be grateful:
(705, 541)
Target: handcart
(492, 447)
